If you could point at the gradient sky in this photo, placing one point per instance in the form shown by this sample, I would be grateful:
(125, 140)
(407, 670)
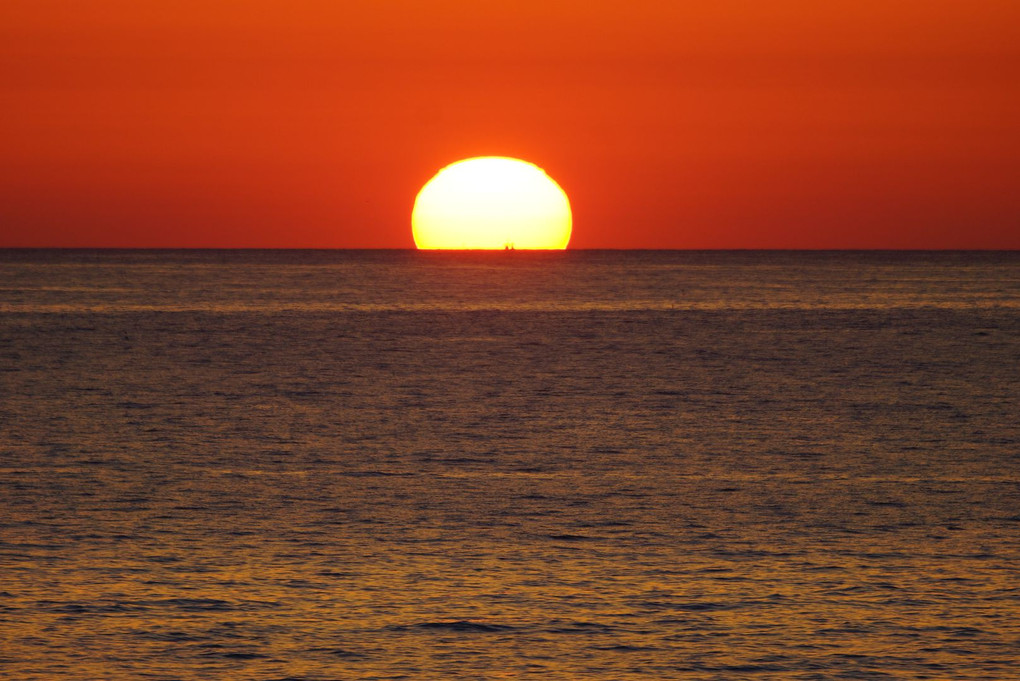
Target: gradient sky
(313, 123)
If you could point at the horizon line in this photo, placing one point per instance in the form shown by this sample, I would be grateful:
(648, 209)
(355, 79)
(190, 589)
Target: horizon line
(979, 249)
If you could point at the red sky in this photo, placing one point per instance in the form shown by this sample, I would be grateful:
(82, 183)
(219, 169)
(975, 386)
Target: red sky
(313, 123)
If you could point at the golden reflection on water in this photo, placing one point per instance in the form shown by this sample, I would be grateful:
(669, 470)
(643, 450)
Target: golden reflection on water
(489, 488)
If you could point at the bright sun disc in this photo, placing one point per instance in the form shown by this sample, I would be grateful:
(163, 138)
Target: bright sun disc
(491, 202)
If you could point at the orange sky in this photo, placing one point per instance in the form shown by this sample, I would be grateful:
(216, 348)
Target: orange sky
(313, 123)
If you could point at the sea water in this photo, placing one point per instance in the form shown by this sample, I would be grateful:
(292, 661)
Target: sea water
(576, 465)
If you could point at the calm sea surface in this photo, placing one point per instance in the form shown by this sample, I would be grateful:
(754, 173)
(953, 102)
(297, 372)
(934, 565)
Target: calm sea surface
(581, 465)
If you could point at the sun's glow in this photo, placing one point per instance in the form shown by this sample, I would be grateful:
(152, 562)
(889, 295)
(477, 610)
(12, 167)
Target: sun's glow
(491, 202)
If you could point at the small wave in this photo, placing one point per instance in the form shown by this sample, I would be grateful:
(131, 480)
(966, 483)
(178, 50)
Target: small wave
(580, 628)
(168, 636)
(91, 608)
(964, 632)
(465, 626)
(346, 654)
(570, 537)
(750, 668)
(701, 607)
(342, 653)
(135, 405)
(199, 604)
(696, 606)
(372, 474)
(212, 604)
(236, 655)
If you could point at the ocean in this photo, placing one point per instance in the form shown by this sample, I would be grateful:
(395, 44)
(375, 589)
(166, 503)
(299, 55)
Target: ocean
(573, 465)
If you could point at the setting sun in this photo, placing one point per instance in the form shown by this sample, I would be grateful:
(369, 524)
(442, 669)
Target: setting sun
(491, 203)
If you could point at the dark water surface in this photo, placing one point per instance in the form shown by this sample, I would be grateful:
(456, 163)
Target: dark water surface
(582, 465)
